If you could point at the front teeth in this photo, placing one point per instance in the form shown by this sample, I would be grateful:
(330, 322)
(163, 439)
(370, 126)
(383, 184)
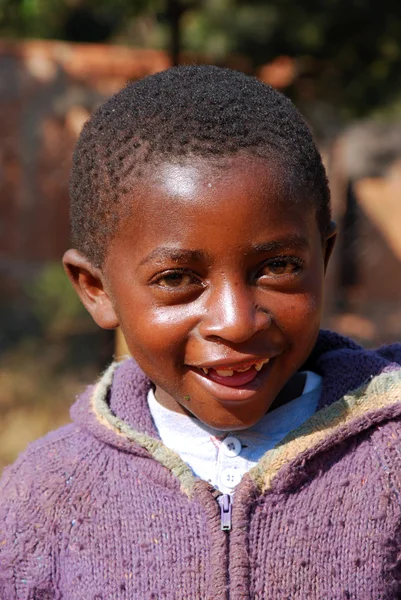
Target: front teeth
(229, 372)
(259, 365)
(244, 369)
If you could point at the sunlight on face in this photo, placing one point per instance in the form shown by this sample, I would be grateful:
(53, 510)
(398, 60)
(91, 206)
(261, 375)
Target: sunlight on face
(214, 278)
(180, 181)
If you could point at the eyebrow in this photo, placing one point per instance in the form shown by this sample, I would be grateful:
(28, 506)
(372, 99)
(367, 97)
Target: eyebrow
(293, 241)
(183, 255)
(175, 254)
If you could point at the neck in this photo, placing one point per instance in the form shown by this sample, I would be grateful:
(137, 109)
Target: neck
(292, 389)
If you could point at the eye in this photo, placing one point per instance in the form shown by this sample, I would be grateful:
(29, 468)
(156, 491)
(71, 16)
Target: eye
(281, 265)
(175, 280)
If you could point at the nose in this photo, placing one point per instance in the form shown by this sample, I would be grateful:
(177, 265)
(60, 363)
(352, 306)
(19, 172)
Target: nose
(232, 315)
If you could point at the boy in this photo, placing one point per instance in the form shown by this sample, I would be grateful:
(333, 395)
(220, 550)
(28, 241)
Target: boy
(201, 225)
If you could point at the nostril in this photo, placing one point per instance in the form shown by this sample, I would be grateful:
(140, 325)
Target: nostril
(236, 333)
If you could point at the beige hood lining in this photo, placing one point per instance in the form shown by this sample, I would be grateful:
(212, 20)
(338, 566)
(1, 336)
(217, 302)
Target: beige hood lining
(380, 392)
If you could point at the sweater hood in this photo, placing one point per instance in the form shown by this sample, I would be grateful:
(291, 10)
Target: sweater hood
(361, 388)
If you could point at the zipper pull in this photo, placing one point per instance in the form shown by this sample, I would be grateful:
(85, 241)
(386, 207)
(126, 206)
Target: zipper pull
(225, 511)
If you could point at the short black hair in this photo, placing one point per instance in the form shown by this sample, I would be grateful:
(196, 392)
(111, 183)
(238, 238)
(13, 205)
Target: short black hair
(184, 111)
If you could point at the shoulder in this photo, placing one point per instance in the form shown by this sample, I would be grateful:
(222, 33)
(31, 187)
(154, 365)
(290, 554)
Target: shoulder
(392, 353)
(41, 472)
(386, 447)
(33, 494)
(386, 438)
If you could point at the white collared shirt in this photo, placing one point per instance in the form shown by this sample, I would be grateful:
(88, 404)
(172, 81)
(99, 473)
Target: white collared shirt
(221, 457)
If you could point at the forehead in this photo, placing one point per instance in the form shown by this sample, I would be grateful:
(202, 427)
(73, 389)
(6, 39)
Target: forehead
(201, 181)
(238, 198)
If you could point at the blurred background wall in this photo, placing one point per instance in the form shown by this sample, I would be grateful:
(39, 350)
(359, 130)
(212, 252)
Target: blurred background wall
(340, 62)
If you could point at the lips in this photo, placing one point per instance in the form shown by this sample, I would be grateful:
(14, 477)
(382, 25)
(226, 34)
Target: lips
(234, 375)
(236, 379)
(235, 389)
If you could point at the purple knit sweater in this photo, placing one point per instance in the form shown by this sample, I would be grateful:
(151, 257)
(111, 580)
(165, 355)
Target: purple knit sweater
(102, 510)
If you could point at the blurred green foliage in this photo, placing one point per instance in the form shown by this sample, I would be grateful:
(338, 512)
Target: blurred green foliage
(55, 304)
(44, 312)
(348, 50)
(50, 348)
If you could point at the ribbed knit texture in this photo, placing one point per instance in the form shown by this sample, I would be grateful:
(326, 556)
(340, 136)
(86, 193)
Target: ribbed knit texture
(100, 509)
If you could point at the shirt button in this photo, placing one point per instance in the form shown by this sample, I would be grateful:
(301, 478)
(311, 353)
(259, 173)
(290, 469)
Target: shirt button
(230, 478)
(231, 446)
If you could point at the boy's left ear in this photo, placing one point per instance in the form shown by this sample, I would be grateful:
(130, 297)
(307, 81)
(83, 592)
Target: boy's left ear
(331, 237)
(88, 282)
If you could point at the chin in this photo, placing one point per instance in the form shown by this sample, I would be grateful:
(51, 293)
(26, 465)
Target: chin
(231, 423)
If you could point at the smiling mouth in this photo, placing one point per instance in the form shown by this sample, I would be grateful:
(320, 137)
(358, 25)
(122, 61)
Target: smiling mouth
(229, 371)
(233, 376)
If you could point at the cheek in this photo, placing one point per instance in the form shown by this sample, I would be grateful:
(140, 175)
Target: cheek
(157, 332)
(308, 306)
(299, 314)
(308, 303)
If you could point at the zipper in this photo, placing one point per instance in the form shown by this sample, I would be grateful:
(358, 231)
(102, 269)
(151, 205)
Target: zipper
(225, 511)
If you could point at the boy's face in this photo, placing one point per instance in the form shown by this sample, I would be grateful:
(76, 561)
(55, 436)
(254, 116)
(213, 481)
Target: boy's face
(216, 281)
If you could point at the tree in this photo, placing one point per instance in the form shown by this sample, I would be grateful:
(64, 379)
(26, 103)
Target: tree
(347, 51)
